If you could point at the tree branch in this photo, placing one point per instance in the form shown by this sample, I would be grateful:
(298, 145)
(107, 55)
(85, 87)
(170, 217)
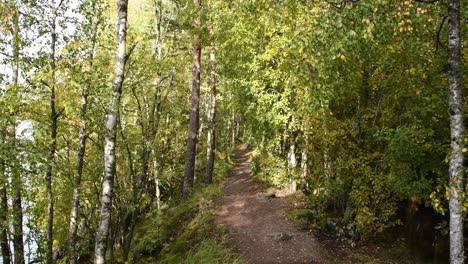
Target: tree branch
(130, 51)
(438, 33)
(57, 115)
(6, 54)
(60, 4)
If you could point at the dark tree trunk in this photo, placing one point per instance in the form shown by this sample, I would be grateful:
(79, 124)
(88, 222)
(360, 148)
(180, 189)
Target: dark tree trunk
(212, 118)
(73, 225)
(5, 247)
(3, 217)
(304, 161)
(456, 171)
(194, 111)
(17, 183)
(111, 136)
(53, 138)
(17, 208)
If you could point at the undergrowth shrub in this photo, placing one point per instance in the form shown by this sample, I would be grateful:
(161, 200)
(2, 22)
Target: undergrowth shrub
(269, 168)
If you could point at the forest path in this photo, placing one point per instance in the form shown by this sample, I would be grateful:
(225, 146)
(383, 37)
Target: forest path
(257, 224)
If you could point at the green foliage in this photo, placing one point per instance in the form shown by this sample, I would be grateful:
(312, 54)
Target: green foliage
(211, 251)
(268, 168)
(302, 217)
(357, 90)
(184, 232)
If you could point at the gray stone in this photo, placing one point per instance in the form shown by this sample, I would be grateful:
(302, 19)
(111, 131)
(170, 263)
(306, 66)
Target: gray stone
(281, 236)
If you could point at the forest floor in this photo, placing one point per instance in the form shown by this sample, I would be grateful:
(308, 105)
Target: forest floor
(256, 221)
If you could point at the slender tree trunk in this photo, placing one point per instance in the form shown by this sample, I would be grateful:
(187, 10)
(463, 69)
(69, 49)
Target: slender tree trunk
(212, 120)
(157, 8)
(455, 82)
(128, 233)
(111, 135)
(292, 164)
(156, 106)
(194, 112)
(304, 167)
(17, 183)
(237, 128)
(73, 225)
(130, 212)
(5, 247)
(17, 213)
(4, 217)
(233, 130)
(197, 146)
(148, 134)
(53, 138)
(158, 192)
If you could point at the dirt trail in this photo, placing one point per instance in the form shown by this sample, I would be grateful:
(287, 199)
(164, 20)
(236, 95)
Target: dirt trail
(257, 225)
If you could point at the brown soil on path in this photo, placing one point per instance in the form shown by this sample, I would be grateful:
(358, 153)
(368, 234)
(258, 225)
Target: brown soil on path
(257, 225)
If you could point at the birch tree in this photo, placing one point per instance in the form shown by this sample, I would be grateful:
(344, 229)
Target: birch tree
(111, 135)
(455, 83)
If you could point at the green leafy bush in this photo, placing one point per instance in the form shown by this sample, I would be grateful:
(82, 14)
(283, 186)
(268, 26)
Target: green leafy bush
(269, 168)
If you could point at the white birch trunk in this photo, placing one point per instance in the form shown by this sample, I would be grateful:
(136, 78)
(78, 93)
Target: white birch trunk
(455, 82)
(111, 135)
(292, 164)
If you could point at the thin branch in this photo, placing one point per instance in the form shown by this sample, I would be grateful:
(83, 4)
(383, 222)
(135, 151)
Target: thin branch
(45, 83)
(438, 33)
(6, 54)
(130, 51)
(60, 4)
(57, 115)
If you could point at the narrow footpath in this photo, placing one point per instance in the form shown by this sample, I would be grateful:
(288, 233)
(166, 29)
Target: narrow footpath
(257, 223)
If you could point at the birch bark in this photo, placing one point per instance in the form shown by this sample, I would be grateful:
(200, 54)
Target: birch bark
(455, 82)
(111, 135)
